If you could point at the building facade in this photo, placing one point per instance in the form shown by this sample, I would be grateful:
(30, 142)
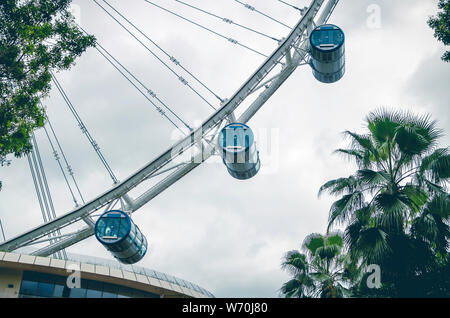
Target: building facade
(25, 276)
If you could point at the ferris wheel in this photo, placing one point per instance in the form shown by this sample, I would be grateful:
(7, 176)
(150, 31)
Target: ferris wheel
(310, 42)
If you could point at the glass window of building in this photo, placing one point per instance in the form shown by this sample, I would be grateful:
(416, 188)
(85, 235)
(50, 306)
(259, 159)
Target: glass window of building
(110, 290)
(92, 293)
(125, 292)
(58, 291)
(28, 288)
(45, 289)
(42, 285)
(77, 293)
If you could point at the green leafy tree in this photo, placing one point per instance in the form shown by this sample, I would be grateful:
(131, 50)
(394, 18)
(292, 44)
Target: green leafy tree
(441, 26)
(36, 36)
(396, 207)
(323, 271)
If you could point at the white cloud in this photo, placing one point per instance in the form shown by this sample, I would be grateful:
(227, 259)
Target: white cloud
(226, 235)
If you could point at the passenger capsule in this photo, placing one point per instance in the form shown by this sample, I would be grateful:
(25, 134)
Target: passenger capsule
(239, 154)
(116, 231)
(327, 53)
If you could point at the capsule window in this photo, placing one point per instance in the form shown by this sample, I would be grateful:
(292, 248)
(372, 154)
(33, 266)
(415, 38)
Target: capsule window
(115, 248)
(129, 239)
(132, 234)
(111, 229)
(101, 226)
(124, 226)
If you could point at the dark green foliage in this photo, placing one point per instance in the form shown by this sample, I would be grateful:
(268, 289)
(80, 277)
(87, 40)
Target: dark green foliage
(396, 207)
(441, 26)
(35, 37)
(323, 271)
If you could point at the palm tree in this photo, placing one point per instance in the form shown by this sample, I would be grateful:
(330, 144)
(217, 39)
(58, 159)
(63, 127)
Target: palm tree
(322, 272)
(396, 205)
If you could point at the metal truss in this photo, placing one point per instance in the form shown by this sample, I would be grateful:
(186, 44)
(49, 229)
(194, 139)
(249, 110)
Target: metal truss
(291, 52)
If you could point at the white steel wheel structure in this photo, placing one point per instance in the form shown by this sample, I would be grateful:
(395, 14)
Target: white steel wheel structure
(291, 52)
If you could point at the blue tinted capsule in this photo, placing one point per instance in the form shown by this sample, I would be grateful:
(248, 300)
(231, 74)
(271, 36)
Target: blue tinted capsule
(237, 145)
(116, 231)
(327, 53)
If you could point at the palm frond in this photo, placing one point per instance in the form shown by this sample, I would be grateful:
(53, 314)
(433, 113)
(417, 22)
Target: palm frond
(439, 205)
(433, 230)
(364, 214)
(383, 124)
(432, 225)
(300, 286)
(373, 178)
(424, 126)
(312, 242)
(427, 161)
(339, 186)
(295, 263)
(292, 288)
(342, 208)
(393, 211)
(335, 238)
(364, 144)
(328, 252)
(352, 234)
(362, 158)
(372, 244)
(440, 168)
(414, 197)
(320, 276)
(357, 155)
(428, 185)
(411, 140)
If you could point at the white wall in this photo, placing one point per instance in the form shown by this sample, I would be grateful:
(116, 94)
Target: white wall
(10, 282)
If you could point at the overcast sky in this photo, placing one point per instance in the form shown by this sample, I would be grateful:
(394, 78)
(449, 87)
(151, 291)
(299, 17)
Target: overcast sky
(226, 235)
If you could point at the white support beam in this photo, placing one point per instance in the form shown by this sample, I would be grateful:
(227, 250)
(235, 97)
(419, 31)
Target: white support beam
(122, 188)
(64, 243)
(88, 220)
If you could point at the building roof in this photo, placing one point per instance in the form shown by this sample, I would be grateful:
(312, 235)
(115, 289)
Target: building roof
(108, 270)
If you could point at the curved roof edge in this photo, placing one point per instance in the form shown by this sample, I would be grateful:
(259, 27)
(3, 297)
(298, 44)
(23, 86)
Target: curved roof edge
(109, 271)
